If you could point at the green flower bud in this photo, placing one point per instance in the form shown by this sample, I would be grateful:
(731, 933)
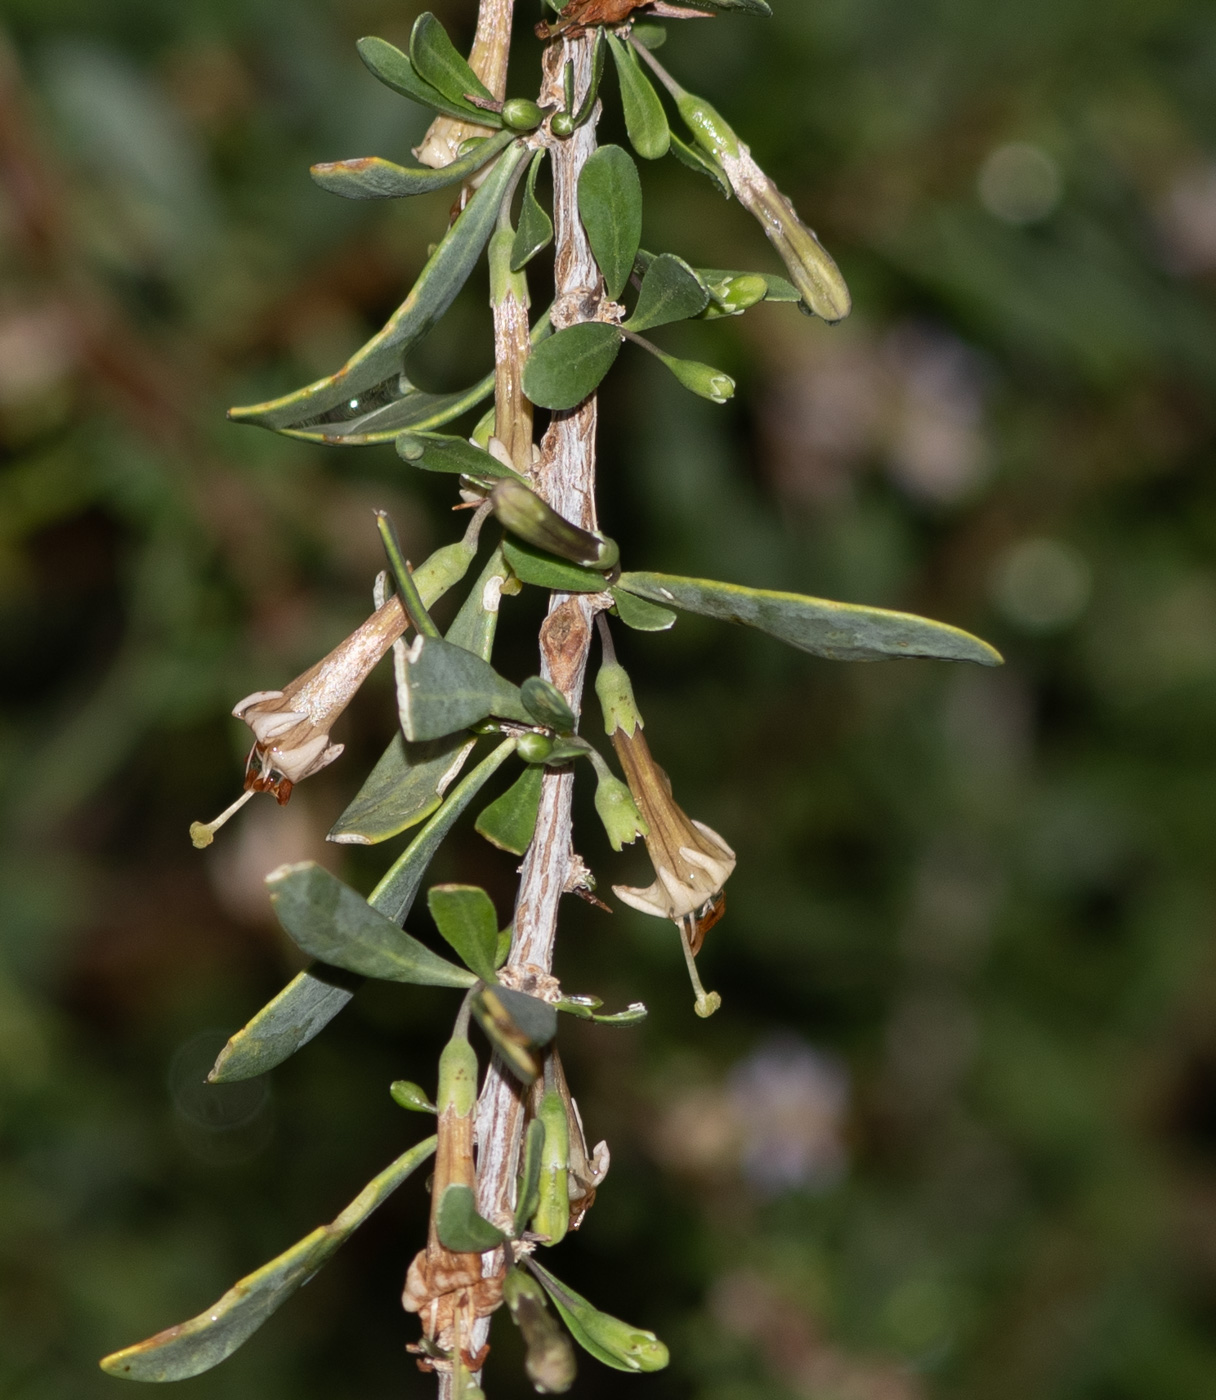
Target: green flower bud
(619, 813)
(609, 1339)
(562, 125)
(704, 380)
(616, 699)
(520, 114)
(734, 296)
(411, 1096)
(547, 705)
(534, 748)
(458, 1077)
(552, 1218)
(522, 511)
(549, 1360)
(711, 130)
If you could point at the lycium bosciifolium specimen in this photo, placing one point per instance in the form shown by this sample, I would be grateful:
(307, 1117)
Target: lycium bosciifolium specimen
(513, 1172)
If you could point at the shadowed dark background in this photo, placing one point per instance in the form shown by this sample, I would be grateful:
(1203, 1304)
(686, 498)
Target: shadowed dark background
(952, 1134)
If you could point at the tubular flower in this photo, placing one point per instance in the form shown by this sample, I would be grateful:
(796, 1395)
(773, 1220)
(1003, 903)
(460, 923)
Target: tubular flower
(291, 726)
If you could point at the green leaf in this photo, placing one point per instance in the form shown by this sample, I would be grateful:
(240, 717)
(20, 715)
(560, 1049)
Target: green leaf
(313, 998)
(535, 229)
(196, 1346)
(437, 62)
(748, 7)
(696, 159)
(528, 1193)
(476, 623)
(371, 379)
(447, 688)
(509, 822)
(645, 120)
(395, 70)
(404, 788)
(569, 366)
(584, 1009)
(438, 452)
(516, 1025)
(547, 705)
(307, 1004)
(671, 291)
(610, 206)
(459, 1226)
(839, 631)
(395, 893)
(608, 1339)
(642, 616)
(374, 178)
(545, 571)
(464, 915)
(331, 921)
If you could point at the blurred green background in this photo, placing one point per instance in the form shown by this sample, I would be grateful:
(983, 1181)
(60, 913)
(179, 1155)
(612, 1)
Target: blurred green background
(953, 1133)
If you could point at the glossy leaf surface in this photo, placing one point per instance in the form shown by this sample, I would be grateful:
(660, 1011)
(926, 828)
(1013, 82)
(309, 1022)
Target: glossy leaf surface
(447, 688)
(196, 1346)
(403, 789)
(464, 915)
(562, 371)
(437, 62)
(374, 178)
(435, 452)
(331, 921)
(545, 571)
(460, 1228)
(838, 631)
(535, 229)
(645, 119)
(671, 291)
(509, 822)
(371, 380)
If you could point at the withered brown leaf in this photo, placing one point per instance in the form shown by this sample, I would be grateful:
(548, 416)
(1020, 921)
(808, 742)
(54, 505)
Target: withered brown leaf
(585, 14)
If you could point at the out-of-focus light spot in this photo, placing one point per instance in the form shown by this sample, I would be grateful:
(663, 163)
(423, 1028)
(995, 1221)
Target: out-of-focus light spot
(1041, 585)
(221, 1124)
(1187, 221)
(1019, 183)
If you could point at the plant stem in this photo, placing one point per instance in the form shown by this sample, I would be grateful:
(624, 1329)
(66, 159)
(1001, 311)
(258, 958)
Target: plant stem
(565, 477)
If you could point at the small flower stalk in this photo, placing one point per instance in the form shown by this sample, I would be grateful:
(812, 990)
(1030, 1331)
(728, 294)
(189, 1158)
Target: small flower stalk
(692, 862)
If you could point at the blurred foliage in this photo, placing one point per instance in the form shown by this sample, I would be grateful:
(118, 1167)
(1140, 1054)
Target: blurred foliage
(954, 1130)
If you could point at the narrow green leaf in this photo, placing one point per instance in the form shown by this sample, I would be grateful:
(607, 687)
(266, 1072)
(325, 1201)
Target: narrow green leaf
(516, 1025)
(374, 178)
(585, 1009)
(307, 1004)
(196, 1346)
(437, 62)
(459, 1226)
(544, 571)
(569, 366)
(748, 7)
(396, 892)
(447, 688)
(696, 159)
(406, 1094)
(464, 915)
(535, 229)
(610, 206)
(331, 921)
(476, 624)
(528, 1193)
(645, 120)
(437, 452)
(371, 378)
(403, 789)
(395, 70)
(509, 822)
(313, 998)
(671, 291)
(839, 631)
(642, 616)
(608, 1339)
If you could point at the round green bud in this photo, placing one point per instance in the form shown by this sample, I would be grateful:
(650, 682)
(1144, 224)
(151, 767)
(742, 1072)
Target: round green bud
(521, 114)
(534, 748)
(562, 125)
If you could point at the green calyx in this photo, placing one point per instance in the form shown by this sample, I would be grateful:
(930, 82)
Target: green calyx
(552, 1218)
(617, 810)
(615, 692)
(457, 1077)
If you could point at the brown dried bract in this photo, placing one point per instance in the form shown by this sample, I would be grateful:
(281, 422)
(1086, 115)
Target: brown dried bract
(586, 14)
